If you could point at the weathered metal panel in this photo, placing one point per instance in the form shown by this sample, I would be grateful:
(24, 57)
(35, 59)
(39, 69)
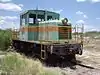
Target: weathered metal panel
(23, 36)
(53, 35)
(33, 36)
(48, 31)
(48, 35)
(41, 36)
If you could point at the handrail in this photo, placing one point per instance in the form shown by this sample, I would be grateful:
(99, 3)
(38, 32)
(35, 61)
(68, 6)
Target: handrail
(78, 33)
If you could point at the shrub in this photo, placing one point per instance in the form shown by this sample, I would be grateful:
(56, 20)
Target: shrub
(5, 39)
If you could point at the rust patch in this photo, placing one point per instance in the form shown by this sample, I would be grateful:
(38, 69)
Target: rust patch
(45, 29)
(39, 29)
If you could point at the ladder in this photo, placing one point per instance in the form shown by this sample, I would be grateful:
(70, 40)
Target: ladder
(43, 52)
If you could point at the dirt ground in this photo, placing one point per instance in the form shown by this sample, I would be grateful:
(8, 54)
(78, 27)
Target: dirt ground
(90, 60)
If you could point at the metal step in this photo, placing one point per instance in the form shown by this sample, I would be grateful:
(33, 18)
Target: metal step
(43, 52)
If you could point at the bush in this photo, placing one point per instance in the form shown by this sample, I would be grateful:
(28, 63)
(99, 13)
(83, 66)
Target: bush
(5, 39)
(16, 64)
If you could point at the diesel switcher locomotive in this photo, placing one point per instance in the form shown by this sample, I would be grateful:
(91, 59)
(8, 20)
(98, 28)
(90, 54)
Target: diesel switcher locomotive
(43, 34)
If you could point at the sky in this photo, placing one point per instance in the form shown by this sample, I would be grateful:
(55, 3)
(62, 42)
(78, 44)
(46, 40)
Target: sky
(77, 11)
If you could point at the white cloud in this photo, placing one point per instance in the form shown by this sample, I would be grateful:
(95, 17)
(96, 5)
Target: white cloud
(80, 21)
(82, 14)
(90, 28)
(98, 18)
(80, 0)
(57, 11)
(9, 22)
(21, 5)
(85, 16)
(9, 17)
(79, 13)
(95, 1)
(10, 7)
(92, 1)
(87, 27)
(51, 9)
(93, 29)
(5, 0)
(2, 22)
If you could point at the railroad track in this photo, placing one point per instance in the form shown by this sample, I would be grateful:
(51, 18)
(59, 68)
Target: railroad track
(81, 69)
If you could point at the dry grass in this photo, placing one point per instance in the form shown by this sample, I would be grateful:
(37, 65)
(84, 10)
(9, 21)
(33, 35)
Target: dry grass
(16, 64)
